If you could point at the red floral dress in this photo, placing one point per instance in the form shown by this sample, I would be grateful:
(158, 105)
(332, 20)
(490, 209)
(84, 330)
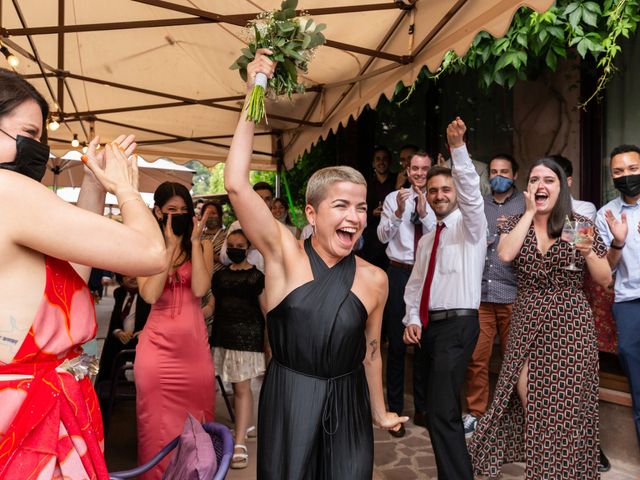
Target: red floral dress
(50, 423)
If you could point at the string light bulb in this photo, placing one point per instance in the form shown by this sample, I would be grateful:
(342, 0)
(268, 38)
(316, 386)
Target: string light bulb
(85, 149)
(12, 60)
(53, 124)
(75, 143)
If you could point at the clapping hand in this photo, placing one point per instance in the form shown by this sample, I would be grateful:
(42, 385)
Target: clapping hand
(114, 167)
(619, 228)
(401, 199)
(421, 205)
(198, 226)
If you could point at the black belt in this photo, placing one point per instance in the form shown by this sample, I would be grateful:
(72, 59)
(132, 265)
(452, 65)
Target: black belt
(437, 315)
(404, 266)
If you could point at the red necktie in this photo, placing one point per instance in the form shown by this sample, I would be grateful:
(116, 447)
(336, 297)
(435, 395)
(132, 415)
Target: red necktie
(426, 289)
(417, 228)
(127, 306)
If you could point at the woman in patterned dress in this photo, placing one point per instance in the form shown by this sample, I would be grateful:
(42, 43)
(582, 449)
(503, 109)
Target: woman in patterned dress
(50, 422)
(545, 410)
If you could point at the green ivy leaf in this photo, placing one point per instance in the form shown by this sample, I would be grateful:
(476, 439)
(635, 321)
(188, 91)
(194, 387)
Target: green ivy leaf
(551, 60)
(575, 16)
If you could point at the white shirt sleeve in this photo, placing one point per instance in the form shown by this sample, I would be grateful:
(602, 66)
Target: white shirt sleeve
(470, 201)
(389, 222)
(603, 227)
(413, 290)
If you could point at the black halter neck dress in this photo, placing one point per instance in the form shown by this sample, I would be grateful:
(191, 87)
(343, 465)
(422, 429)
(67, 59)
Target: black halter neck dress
(314, 415)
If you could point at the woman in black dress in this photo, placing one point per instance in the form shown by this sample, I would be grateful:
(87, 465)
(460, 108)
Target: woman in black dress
(238, 333)
(323, 387)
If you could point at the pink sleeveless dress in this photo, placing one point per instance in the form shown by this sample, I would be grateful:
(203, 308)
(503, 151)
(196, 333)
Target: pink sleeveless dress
(173, 369)
(50, 423)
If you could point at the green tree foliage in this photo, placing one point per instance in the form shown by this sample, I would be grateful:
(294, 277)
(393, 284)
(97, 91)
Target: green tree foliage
(536, 41)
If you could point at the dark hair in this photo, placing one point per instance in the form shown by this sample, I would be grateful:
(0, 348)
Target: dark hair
(564, 163)
(263, 186)
(505, 156)
(438, 170)
(286, 207)
(625, 148)
(119, 278)
(409, 146)
(562, 209)
(215, 205)
(15, 90)
(421, 152)
(163, 194)
(382, 148)
(240, 232)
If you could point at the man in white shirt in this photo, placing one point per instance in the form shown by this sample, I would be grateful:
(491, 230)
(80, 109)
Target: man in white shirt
(443, 296)
(405, 217)
(586, 209)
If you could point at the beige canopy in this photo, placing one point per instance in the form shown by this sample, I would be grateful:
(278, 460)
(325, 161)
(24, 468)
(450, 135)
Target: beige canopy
(160, 69)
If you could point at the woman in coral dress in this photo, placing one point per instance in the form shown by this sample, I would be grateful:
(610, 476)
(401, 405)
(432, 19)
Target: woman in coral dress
(50, 422)
(173, 369)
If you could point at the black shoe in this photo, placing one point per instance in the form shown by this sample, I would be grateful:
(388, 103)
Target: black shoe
(605, 465)
(399, 433)
(420, 419)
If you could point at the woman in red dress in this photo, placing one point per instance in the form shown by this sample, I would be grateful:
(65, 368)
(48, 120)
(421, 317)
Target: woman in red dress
(50, 422)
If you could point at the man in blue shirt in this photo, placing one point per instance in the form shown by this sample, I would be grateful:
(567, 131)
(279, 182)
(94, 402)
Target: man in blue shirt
(619, 225)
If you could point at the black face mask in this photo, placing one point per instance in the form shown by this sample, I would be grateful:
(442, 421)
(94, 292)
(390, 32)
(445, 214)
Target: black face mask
(180, 222)
(31, 157)
(236, 255)
(629, 185)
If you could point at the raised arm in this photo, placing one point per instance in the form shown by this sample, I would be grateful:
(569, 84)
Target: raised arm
(391, 216)
(64, 231)
(261, 228)
(467, 182)
(200, 276)
(92, 192)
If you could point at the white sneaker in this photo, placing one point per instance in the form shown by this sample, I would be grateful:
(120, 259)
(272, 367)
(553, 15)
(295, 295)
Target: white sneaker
(469, 422)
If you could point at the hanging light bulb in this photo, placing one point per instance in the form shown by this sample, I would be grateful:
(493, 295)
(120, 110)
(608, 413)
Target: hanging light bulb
(11, 58)
(99, 146)
(85, 149)
(53, 125)
(75, 143)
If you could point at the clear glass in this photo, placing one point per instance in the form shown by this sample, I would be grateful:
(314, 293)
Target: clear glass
(575, 232)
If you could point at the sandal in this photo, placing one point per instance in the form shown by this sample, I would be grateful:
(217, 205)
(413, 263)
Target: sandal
(252, 433)
(241, 459)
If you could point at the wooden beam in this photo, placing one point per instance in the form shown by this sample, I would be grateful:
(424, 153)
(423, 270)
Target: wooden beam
(179, 138)
(185, 100)
(61, 56)
(439, 26)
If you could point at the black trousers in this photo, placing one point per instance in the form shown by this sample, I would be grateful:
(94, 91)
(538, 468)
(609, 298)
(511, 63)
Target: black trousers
(394, 312)
(448, 346)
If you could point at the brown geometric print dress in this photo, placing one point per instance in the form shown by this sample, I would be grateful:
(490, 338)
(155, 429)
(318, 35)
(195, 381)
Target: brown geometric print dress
(551, 327)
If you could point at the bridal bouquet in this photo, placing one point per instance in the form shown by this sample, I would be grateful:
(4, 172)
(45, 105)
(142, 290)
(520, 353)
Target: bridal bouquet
(292, 39)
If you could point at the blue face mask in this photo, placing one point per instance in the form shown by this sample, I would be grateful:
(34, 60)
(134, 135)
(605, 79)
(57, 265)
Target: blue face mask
(500, 184)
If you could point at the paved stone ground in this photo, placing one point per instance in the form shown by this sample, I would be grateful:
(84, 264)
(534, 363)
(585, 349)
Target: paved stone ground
(407, 458)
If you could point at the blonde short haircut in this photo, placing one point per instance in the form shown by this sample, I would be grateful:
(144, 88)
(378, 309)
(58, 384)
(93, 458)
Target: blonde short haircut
(325, 177)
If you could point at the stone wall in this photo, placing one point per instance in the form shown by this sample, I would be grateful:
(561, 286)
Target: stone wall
(547, 121)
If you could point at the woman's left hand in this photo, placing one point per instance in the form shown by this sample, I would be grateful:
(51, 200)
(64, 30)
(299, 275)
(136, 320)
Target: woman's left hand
(389, 421)
(198, 227)
(585, 246)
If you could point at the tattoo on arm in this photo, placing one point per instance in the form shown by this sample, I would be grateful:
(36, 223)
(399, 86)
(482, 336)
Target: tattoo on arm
(374, 347)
